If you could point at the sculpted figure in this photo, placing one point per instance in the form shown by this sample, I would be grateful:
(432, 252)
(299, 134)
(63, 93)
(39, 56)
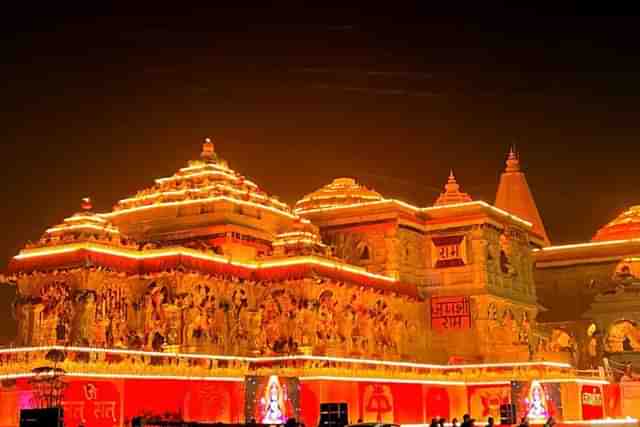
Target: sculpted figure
(346, 328)
(366, 325)
(87, 318)
(524, 332)
(21, 309)
(398, 328)
(307, 324)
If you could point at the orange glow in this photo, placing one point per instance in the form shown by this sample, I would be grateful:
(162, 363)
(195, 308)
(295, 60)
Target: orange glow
(157, 253)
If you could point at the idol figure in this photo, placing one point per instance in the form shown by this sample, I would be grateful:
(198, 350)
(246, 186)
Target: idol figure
(273, 403)
(537, 402)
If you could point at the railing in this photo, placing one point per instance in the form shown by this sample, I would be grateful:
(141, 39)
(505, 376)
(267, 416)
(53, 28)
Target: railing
(114, 363)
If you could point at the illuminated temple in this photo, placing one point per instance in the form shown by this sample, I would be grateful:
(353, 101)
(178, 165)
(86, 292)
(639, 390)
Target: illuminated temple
(203, 298)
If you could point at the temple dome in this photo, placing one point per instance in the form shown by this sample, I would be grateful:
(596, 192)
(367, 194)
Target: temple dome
(340, 192)
(625, 226)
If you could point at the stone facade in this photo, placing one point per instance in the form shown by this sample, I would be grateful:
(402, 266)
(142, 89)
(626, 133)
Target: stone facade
(192, 312)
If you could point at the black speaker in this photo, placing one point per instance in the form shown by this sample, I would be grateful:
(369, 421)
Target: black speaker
(334, 415)
(508, 414)
(48, 417)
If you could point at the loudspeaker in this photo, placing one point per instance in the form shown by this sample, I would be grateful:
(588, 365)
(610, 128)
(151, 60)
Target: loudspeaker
(508, 413)
(48, 417)
(334, 415)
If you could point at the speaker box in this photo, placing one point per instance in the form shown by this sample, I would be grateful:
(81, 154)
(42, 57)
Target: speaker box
(48, 417)
(508, 414)
(334, 415)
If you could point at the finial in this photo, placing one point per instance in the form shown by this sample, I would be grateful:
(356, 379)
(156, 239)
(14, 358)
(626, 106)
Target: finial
(85, 204)
(452, 185)
(452, 193)
(208, 151)
(513, 162)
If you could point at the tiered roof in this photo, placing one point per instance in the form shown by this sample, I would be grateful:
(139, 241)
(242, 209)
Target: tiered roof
(206, 179)
(84, 226)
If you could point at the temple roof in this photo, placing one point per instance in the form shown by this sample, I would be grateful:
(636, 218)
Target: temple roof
(515, 196)
(208, 177)
(340, 192)
(452, 193)
(625, 226)
(83, 226)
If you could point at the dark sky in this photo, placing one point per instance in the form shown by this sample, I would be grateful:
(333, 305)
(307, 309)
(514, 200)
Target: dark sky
(101, 104)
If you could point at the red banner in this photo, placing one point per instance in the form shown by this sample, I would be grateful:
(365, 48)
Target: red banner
(485, 401)
(94, 403)
(450, 313)
(592, 402)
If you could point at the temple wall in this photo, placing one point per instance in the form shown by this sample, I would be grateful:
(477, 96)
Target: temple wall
(364, 246)
(371, 401)
(412, 255)
(114, 402)
(194, 312)
(566, 292)
(489, 271)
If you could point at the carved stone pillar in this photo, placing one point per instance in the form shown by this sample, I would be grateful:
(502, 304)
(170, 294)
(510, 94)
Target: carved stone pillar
(392, 246)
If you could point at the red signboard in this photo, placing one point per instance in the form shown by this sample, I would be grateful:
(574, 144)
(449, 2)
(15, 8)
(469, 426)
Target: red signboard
(592, 404)
(450, 313)
(94, 403)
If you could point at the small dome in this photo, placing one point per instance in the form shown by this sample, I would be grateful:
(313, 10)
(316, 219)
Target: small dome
(625, 226)
(340, 192)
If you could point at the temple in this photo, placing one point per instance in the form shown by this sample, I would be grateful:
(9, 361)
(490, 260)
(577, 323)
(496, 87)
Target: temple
(238, 306)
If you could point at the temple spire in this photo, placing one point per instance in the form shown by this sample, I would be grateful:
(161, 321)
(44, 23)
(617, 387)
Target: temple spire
(208, 151)
(513, 162)
(85, 204)
(514, 195)
(452, 193)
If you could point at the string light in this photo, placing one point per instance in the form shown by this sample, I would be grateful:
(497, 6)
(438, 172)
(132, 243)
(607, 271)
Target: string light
(268, 359)
(585, 245)
(202, 189)
(417, 209)
(152, 377)
(608, 421)
(121, 376)
(82, 226)
(575, 380)
(381, 380)
(197, 201)
(85, 218)
(158, 253)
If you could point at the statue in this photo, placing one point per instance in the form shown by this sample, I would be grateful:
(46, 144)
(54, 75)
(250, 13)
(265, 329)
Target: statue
(273, 402)
(524, 331)
(537, 403)
(86, 318)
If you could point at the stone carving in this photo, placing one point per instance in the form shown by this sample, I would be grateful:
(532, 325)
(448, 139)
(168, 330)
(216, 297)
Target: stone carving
(218, 315)
(506, 255)
(623, 336)
(351, 247)
(53, 311)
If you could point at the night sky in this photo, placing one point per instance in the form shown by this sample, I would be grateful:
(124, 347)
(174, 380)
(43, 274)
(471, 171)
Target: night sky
(99, 105)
